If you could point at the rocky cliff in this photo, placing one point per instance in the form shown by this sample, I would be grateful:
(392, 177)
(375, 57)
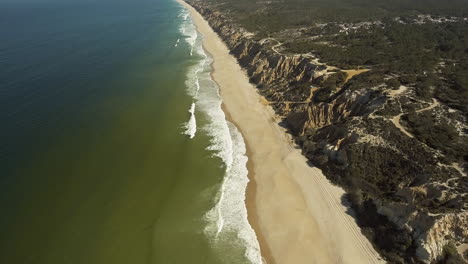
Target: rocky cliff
(398, 184)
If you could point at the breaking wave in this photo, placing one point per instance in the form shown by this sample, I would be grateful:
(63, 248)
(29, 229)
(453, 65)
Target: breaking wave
(191, 125)
(227, 224)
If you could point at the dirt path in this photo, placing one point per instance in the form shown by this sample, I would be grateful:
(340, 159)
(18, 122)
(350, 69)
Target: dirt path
(262, 41)
(396, 119)
(351, 73)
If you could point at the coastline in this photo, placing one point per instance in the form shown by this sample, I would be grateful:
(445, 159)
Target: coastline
(296, 213)
(250, 193)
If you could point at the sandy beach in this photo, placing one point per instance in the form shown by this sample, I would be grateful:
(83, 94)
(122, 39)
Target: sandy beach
(295, 211)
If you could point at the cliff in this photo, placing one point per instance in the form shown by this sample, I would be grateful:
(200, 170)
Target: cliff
(410, 201)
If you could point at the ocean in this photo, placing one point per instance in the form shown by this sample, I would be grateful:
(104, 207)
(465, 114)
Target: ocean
(114, 147)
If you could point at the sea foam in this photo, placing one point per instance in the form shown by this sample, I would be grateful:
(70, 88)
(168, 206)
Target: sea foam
(187, 29)
(191, 125)
(227, 223)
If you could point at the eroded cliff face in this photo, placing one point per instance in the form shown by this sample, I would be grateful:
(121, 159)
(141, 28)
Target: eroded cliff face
(264, 66)
(431, 232)
(395, 175)
(348, 104)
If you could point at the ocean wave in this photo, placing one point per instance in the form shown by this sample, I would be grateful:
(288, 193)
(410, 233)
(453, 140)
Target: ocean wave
(190, 35)
(188, 30)
(227, 222)
(229, 215)
(191, 125)
(193, 87)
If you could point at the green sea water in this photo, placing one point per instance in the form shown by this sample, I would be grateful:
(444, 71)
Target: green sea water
(97, 164)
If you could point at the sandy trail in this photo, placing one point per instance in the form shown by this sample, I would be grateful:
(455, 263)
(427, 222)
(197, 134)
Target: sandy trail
(273, 47)
(351, 73)
(434, 104)
(295, 211)
(396, 119)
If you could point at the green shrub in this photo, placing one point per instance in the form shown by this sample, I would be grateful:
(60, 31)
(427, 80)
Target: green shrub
(451, 256)
(393, 83)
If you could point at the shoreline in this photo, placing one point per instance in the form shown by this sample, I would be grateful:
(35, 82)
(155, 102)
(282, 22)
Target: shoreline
(251, 186)
(252, 216)
(294, 210)
(250, 197)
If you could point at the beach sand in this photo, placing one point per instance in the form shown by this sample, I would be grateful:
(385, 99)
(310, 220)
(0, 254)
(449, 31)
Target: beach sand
(295, 211)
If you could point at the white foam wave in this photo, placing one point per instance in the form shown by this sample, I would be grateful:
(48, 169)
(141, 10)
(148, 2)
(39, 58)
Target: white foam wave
(193, 87)
(185, 15)
(229, 215)
(188, 30)
(191, 125)
(192, 82)
(196, 72)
